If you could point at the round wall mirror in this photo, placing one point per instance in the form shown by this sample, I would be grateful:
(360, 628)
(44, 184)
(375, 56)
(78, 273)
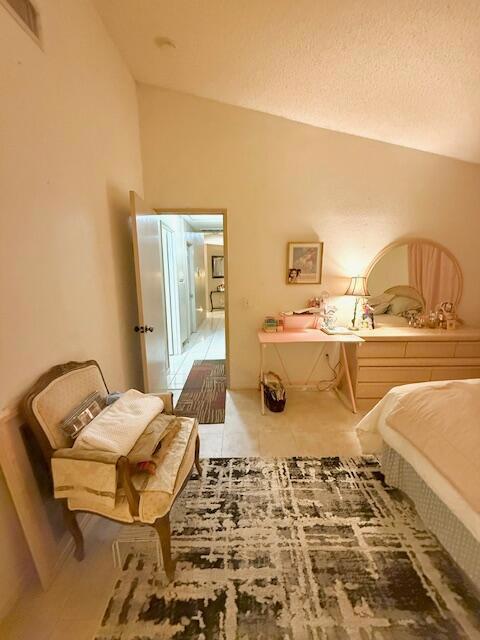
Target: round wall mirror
(413, 276)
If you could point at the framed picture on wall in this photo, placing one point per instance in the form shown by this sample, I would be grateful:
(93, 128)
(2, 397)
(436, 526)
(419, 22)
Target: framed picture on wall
(217, 267)
(304, 262)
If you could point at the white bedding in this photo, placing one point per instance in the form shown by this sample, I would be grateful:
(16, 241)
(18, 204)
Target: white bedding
(117, 428)
(389, 320)
(374, 429)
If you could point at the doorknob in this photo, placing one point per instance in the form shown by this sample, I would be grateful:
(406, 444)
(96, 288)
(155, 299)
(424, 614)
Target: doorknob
(143, 328)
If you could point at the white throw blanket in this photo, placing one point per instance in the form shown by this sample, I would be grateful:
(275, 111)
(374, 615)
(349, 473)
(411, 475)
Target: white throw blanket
(117, 428)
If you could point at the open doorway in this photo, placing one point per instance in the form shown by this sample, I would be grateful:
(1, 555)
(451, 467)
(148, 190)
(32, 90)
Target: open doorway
(193, 254)
(181, 259)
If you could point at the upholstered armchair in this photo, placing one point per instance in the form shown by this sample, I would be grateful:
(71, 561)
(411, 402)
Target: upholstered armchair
(102, 482)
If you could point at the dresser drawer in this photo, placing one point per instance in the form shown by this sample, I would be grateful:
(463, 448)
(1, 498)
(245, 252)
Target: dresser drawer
(375, 389)
(381, 349)
(467, 350)
(394, 374)
(430, 349)
(455, 373)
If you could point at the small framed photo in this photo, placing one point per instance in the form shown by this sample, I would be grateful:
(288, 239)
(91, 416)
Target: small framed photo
(304, 262)
(217, 267)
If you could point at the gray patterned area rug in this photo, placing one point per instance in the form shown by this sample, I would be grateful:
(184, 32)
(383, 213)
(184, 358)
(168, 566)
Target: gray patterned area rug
(294, 549)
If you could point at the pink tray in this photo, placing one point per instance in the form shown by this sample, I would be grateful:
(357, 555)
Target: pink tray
(294, 323)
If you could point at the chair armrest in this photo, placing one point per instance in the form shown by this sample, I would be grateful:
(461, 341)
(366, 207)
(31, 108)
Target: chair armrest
(167, 398)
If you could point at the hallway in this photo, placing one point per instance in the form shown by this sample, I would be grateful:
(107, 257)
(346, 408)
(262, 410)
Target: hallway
(208, 343)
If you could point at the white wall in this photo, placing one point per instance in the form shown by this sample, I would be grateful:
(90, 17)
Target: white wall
(281, 181)
(69, 153)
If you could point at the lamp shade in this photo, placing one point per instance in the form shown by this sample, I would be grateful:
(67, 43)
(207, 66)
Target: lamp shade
(357, 287)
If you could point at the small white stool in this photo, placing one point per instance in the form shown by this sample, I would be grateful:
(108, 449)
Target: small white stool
(133, 539)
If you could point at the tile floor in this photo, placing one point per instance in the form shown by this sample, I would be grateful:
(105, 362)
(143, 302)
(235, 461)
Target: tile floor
(315, 424)
(208, 343)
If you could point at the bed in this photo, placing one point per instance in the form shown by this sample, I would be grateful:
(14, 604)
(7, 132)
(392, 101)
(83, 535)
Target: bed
(428, 435)
(389, 320)
(391, 305)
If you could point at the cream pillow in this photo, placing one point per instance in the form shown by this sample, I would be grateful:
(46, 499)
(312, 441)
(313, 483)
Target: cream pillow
(400, 304)
(381, 303)
(380, 309)
(383, 298)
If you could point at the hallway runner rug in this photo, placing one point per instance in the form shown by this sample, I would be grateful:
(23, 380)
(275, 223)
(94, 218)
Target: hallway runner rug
(293, 549)
(203, 396)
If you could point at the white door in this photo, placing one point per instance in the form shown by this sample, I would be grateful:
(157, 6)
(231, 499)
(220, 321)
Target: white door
(151, 328)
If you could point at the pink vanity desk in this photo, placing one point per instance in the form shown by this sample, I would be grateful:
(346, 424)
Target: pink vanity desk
(314, 336)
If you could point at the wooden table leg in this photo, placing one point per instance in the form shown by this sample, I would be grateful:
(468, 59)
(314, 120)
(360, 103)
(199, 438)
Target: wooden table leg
(349, 379)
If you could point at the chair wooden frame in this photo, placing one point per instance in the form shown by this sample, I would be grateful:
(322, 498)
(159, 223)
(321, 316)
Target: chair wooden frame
(161, 525)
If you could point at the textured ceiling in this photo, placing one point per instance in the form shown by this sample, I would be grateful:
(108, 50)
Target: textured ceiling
(401, 71)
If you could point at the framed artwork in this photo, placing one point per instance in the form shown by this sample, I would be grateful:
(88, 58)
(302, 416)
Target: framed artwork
(217, 267)
(304, 262)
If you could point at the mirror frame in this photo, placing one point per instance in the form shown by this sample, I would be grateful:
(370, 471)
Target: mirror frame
(402, 241)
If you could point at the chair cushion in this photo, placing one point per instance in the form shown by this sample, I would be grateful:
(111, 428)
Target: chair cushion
(61, 396)
(157, 493)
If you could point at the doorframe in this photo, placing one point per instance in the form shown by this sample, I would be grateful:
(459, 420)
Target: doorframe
(214, 211)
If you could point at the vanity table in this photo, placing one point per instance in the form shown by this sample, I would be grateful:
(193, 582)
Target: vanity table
(411, 275)
(391, 356)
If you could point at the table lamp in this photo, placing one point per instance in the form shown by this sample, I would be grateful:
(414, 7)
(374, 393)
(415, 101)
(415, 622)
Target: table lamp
(358, 288)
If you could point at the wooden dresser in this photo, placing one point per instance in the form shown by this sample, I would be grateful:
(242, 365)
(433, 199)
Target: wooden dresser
(401, 355)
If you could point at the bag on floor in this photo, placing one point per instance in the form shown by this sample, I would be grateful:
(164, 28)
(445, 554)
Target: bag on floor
(274, 392)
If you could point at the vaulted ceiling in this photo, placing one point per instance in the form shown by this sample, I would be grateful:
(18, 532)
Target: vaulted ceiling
(400, 71)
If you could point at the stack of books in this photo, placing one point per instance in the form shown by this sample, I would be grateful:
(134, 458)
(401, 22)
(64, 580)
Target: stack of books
(270, 325)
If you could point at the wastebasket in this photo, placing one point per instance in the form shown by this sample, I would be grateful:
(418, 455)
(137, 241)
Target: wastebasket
(274, 392)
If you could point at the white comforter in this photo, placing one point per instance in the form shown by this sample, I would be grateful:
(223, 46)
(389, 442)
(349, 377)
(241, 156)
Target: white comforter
(409, 402)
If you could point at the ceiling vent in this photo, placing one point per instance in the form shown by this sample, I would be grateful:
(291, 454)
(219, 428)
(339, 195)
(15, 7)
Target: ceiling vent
(25, 14)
